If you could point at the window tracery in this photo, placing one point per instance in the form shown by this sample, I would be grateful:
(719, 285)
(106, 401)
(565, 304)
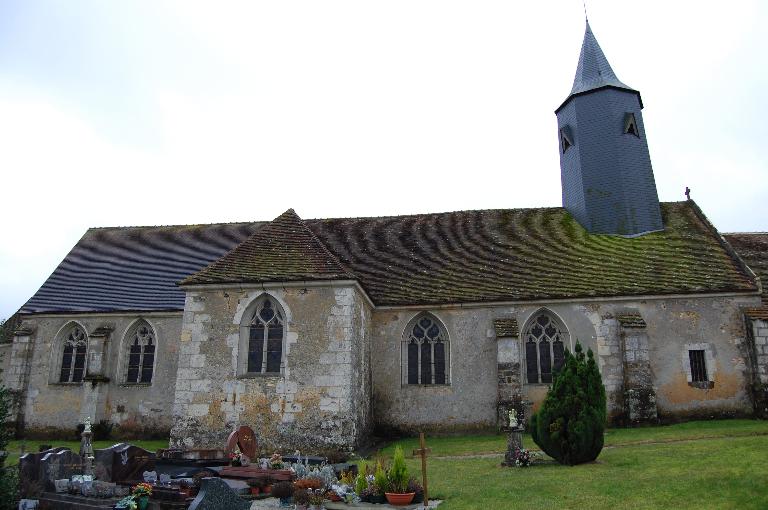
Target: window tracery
(141, 354)
(265, 344)
(73, 354)
(426, 352)
(544, 348)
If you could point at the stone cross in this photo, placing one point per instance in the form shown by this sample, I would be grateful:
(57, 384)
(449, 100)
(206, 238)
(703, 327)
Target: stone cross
(422, 452)
(86, 448)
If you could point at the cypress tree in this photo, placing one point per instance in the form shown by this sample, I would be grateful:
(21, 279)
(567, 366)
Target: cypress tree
(570, 424)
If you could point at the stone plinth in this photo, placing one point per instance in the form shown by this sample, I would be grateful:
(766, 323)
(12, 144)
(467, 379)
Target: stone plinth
(514, 443)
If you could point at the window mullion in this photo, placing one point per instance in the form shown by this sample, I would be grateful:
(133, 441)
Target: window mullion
(264, 353)
(432, 361)
(418, 364)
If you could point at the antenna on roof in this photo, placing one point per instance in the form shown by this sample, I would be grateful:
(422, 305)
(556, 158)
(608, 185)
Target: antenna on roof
(584, 3)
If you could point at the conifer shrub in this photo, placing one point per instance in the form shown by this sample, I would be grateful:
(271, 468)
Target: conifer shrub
(398, 473)
(570, 424)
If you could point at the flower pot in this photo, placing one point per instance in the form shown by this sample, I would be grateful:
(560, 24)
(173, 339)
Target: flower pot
(395, 498)
(267, 489)
(142, 502)
(236, 463)
(255, 491)
(285, 502)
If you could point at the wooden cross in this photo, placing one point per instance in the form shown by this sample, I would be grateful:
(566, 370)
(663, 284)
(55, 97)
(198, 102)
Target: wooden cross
(422, 452)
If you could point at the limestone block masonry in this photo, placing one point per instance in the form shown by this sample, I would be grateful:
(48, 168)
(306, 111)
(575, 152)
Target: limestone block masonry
(321, 398)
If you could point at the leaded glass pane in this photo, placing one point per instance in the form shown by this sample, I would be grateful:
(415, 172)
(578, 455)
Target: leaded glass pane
(413, 363)
(439, 363)
(545, 361)
(266, 339)
(531, 362)
(426, 363)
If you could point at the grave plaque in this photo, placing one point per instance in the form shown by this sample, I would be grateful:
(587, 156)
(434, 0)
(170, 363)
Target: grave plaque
(129, 463)
(243, 439)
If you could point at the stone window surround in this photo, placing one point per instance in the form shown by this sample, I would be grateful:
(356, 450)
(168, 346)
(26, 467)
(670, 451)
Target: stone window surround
(404, 353)
(245, 335)
(57, 353)
(125, 345)
(709, 360)
(568, 341)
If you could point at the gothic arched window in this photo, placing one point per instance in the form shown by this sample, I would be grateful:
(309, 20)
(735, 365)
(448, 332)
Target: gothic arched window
(74, 349)
(141, 345)
(425, 352)
(265, 340)
(544, 341)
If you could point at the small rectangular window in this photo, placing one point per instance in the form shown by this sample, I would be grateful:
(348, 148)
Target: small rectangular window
(698, 366)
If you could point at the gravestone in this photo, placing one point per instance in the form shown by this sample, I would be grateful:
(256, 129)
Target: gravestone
(215, 494)
(29, 465)
(59, 465)
(103, 461)
(243, 439)
(129, 463)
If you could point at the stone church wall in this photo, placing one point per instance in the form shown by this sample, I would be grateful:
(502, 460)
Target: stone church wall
(50, 407)
(645, 368)
(321, 400)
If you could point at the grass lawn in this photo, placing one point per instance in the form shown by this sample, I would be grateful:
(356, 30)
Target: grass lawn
(14, 447)
(712, 464)
(706, 464)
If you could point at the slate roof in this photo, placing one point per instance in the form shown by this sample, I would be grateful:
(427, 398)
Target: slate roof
(134, 268)
(444, 258)
(283, 250)
(593, 70)
(753, 249)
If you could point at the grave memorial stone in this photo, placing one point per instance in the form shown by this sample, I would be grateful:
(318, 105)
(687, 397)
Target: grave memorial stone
(215, 494)
(57, 466)
(129, 463)
(244, 440)
(515, 439)
(30, 465)
(103, 461)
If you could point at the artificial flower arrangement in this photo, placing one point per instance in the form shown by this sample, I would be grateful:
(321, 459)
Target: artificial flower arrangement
(138, 498)
(276, 461)
(524, 458)
(236, 457)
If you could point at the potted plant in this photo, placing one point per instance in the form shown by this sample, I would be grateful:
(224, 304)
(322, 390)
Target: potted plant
(380, 484)
(283, 491)
(267, 489)
(397, 479)
(316, 499)
(256, 484)
(141, 493)
(301, 498)
(415, 486)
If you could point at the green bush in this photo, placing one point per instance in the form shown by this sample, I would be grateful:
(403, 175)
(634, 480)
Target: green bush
(398, 473)
(380, 479)
(570, 424)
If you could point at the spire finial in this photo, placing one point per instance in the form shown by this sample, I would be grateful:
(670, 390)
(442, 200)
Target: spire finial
(586, 17)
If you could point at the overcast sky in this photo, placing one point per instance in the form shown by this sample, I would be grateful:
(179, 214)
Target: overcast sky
(148, 112)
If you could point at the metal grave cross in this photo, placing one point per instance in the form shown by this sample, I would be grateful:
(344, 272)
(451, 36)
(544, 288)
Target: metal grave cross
(422, 452)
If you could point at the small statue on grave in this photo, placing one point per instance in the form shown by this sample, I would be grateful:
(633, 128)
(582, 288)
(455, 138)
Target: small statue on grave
(513, 424)
(86, 449)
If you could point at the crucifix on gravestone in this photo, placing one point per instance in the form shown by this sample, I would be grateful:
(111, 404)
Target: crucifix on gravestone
(422, 452)
(86, 448)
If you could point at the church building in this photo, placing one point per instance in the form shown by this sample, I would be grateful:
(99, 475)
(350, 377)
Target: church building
(316, 332)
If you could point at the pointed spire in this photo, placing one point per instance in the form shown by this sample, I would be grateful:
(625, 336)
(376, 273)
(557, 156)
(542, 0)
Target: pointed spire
(593, 71)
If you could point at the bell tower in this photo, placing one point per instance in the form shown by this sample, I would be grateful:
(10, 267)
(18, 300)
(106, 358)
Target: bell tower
(605, 165)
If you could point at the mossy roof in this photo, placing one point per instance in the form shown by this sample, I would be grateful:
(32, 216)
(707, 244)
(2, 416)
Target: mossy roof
(526, 254)
(753, 249)
(445, 258)
(283, 250)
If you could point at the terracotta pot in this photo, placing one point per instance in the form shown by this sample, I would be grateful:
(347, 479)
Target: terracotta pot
(395, 498)
(255, 491)
(267, 489)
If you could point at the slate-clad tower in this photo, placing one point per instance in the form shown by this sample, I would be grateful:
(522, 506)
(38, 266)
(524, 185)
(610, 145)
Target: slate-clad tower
(607, 178)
